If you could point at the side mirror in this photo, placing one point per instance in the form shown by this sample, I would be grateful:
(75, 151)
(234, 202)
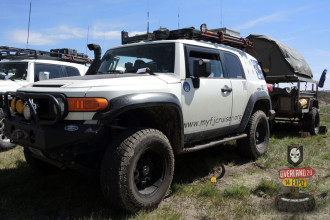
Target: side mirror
(43, 76)
(202, 68)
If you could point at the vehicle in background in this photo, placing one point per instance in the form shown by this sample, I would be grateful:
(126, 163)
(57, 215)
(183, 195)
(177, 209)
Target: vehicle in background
(20, 67)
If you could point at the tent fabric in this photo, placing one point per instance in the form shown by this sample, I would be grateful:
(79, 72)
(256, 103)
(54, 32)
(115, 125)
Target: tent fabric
(277, 59)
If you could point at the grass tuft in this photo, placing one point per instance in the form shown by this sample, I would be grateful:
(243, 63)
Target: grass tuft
(265, 188)
(236, 192)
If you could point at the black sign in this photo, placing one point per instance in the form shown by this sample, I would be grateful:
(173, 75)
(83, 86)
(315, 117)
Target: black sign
(295, 154)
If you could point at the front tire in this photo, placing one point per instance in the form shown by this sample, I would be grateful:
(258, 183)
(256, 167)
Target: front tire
(137, 171)
(256, 143)
(5, 143)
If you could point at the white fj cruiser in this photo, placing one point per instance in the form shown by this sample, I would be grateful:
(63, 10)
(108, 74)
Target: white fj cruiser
(20, 67)
(159, 94)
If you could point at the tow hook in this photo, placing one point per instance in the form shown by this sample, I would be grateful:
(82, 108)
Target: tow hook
(19, 134)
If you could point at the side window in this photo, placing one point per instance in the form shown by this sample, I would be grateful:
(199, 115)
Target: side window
(196, 53)
(258, 69)
(71, 71)
(54, 70)
(233, 66)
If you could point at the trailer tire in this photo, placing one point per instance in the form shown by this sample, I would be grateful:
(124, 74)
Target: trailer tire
(311, 122)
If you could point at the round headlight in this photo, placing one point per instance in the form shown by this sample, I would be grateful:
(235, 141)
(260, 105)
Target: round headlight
(20, 106)
(27, 112)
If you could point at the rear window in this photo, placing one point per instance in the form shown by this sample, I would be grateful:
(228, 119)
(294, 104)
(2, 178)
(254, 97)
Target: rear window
(233, 66)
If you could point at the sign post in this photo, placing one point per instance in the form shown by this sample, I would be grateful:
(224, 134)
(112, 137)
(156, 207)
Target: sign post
(295, 178)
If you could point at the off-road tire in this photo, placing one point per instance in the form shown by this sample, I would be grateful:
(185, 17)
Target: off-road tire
(303, 203)
(137, 170)
(311, 122)
(256, 143)
(5, 143)
(39, 165)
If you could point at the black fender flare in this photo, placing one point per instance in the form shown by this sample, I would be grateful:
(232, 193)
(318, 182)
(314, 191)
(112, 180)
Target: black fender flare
(260, 95)
(124, 103)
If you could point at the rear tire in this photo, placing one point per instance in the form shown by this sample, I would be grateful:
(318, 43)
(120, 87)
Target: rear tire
(5, 143)
(256, 143)
(137, 171)
(311, 122)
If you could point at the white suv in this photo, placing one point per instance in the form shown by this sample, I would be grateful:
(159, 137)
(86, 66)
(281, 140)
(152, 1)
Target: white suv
(159, 94)
(20, 67)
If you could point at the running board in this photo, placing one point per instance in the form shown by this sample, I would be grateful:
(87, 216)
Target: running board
(211, 144)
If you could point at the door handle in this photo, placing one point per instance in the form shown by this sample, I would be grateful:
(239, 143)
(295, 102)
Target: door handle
(226, 89)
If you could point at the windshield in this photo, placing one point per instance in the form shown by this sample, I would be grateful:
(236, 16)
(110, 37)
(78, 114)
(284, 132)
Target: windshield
(13, 71)
(156, 57)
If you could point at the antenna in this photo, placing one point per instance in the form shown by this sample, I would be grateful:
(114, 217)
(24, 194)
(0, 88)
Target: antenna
(148, 18)
(178, 17)
(28, 35)
(221, 15)
(87, 38)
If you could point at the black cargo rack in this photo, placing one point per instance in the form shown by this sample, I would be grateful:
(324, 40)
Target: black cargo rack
(65, 54)
(221, 36)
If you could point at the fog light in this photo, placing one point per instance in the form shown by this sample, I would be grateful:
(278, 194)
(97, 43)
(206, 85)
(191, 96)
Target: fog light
(27, 112)
(20, 106)
(13, 105)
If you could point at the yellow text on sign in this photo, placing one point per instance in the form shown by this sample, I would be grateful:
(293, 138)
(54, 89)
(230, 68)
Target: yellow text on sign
(295, 182)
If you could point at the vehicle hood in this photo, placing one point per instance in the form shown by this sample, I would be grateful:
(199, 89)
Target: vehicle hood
(9, 85)
(105, 80)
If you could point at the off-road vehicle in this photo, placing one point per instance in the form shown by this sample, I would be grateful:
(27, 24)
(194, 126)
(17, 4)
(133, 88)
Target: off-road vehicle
(157, 95)
(293, 91)
(20, 67)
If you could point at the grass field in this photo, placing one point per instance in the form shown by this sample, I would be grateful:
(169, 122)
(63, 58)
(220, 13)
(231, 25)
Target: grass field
(244, 189)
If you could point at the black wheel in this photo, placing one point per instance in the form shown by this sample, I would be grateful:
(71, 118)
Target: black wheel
(38, 165)
(256, 143)
(311, 122)
(137, 171)
(5, 143)
(303, 203)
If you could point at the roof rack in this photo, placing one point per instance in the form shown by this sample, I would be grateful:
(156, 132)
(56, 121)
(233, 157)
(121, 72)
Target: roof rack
(221, 35)
(65, 54)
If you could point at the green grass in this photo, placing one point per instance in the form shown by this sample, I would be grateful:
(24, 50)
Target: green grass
(244, 189)
(236, 192)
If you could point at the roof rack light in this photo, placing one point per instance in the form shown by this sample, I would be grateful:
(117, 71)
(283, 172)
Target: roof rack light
(221, 35)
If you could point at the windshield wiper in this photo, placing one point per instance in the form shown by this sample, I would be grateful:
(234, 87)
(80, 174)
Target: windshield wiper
(112, 71)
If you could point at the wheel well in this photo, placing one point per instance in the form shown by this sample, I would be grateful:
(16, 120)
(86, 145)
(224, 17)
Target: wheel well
(167, 119)
(263, 105)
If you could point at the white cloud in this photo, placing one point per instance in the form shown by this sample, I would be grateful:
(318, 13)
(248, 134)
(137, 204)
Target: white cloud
(51, 36)
(35, 38)
(279, 16)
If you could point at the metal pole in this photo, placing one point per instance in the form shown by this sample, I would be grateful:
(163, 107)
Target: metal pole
(27, 40)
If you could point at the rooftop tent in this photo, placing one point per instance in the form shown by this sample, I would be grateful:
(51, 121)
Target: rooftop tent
(279, 62)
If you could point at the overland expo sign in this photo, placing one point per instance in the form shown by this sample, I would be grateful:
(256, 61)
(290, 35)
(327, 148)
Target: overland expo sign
(296, 173)
(295, 182)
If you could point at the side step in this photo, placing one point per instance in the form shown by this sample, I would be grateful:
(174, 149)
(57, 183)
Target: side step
(212, 144)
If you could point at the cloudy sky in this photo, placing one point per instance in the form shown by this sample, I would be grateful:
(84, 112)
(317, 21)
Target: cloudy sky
(301, 24)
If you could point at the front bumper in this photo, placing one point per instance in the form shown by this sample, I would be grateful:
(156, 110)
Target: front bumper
(47, 138)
